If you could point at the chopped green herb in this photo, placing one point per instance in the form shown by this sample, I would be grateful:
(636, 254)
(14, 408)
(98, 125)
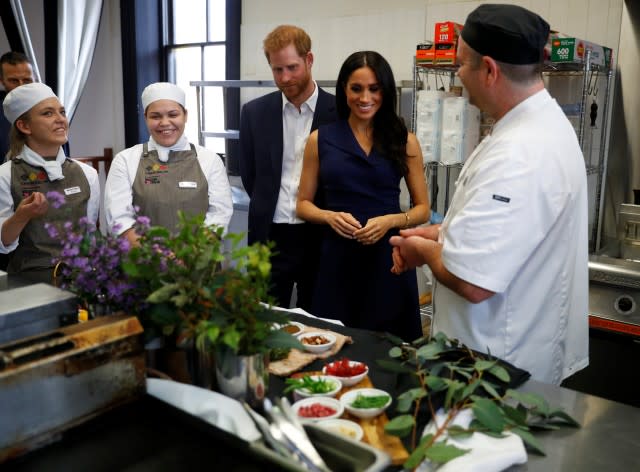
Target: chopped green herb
(312, 385)
(363, 401)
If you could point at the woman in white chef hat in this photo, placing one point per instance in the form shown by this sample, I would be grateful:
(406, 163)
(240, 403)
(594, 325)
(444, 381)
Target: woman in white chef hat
(167, 173)
(37, 166)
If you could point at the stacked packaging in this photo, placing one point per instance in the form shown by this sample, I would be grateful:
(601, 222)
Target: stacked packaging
(429, 123)
(447, 127)
(460, 130)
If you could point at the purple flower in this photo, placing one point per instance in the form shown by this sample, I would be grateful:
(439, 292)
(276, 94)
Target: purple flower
(123, 245)
(143, 221)
(81, 263)
(91, 264)
(69, 251)
(52, 230)
(55, 198)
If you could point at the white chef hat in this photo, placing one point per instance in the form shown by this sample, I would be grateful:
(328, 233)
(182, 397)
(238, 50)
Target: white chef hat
(23, 98)
(162, 91)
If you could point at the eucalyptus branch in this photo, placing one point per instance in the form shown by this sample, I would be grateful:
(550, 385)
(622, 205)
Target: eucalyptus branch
(468, 380)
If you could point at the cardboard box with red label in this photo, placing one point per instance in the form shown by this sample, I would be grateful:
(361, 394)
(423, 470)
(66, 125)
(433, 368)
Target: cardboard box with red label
(425, 54)
(446, 42)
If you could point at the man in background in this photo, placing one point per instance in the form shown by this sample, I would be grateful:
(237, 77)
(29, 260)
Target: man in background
(511, 256)
(273, 132)
(15, 70)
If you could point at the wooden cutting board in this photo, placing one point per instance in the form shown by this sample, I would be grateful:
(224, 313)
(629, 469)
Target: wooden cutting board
(374, 429)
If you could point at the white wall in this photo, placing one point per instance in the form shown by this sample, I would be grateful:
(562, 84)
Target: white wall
(393, 28)
(337, 28)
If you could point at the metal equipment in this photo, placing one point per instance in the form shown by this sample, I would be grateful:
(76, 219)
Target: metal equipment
(614, 316)
(27, 309)
(56, 380)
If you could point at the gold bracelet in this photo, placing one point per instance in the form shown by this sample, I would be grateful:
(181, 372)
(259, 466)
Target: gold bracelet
(406, 216)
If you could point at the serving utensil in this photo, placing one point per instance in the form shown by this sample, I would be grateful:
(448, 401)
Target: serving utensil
(294, 438)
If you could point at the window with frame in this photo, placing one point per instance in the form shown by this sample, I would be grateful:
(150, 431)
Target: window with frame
(202, 44)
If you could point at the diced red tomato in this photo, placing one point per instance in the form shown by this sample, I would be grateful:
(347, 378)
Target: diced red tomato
(316, 410)
(344, 368)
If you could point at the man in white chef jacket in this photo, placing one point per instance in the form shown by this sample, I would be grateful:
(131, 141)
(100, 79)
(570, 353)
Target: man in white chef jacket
(511, 256)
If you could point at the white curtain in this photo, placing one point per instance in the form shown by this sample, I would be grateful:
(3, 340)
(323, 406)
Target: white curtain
(16, 7)
(78, 22)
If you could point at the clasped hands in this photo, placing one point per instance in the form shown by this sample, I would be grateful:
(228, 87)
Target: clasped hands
(348, 227)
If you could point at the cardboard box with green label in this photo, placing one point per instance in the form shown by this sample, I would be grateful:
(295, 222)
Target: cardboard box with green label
(575, 50)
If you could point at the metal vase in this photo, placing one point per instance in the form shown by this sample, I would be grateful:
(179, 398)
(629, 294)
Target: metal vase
(244, 378)
(183, 363)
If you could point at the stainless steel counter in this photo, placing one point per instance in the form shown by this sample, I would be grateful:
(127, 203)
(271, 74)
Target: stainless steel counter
(609, 439)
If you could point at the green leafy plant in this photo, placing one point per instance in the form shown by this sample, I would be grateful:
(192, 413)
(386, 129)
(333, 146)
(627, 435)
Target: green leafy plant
(203, 286)
(446, 372)
(170, 271)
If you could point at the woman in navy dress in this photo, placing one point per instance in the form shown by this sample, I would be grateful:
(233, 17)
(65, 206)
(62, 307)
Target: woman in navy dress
(358, 162)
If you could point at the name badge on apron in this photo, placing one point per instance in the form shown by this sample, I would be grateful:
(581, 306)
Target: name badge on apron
(72, 190)
(187, 184)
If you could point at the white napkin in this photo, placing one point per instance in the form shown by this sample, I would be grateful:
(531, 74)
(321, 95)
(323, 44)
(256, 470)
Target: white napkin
(214, 408)
(182, 144)
(300, 311)
(487, 454)
(52, 168)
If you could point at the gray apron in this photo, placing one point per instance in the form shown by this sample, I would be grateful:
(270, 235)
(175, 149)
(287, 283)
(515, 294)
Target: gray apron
(160, 189)
(36, 249)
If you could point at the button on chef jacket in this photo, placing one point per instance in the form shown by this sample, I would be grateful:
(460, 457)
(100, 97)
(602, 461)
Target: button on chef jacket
(518, 226)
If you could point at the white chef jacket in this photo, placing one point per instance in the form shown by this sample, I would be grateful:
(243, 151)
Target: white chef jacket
(6, 200)
(118, 194)
(518, 226)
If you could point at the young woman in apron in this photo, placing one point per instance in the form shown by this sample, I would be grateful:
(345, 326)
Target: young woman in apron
(166, 174)
(37, 166)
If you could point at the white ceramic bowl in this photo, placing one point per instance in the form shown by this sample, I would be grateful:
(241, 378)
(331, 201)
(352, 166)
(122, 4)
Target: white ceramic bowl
(303, 408)
(291, 324)
(349, 397)
(347, 428)
(300, 393)
(316, 348)
(347, 381)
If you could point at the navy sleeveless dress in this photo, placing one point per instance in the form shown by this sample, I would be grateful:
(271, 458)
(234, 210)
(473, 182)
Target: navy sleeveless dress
(355, 283)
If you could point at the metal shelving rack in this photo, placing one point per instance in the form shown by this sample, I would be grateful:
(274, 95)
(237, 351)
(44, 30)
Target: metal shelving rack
(588, 72)
(447, 75)
(584, 70)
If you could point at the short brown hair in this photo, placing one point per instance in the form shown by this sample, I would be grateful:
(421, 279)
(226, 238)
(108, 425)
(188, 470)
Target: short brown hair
(284, 35)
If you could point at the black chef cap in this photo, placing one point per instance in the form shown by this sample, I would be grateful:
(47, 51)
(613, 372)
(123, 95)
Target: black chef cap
(507, 33)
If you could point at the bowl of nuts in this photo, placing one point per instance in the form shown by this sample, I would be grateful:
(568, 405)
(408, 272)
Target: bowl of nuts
(317, 341)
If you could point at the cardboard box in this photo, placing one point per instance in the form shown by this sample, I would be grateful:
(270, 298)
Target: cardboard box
(575, 50)
(425, 54)
(446, 42)
(446, 54)
(446, 32)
